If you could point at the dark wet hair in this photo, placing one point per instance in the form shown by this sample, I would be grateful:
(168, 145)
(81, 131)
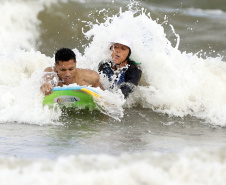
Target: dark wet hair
(64, 54)
(129, 53)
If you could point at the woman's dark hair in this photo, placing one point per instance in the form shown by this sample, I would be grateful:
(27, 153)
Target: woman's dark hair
(64, 54)
(129, 54)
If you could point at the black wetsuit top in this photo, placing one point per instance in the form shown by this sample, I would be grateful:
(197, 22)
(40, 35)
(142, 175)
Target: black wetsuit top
(126, 79)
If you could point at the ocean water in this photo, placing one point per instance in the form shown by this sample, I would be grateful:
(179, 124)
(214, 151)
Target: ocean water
(171, 130)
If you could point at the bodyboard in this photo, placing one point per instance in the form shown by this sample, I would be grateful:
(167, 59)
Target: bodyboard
(76, 97)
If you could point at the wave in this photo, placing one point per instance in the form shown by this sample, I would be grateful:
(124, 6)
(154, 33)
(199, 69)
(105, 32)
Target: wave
(217, 13)
(193, 12)
(193, 166)
(176, 83)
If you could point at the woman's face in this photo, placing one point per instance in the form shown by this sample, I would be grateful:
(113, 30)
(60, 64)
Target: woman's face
(119, 53)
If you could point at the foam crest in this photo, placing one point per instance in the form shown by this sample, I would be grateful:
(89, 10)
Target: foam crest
(146, 168)
(21, 100)
(19, 23)
(172, 82)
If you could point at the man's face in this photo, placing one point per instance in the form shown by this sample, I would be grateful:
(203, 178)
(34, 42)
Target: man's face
(66, 71)
(119, 53)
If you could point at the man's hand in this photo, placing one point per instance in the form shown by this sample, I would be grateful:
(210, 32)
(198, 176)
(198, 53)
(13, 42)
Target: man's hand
(46, 88)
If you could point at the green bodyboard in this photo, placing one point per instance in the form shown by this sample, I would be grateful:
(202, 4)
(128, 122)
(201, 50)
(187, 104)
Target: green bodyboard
(70, 98)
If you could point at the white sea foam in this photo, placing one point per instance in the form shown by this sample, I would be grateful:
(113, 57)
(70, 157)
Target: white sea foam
(188, 167)
(20, 22)
(21, 100)
(173, 82)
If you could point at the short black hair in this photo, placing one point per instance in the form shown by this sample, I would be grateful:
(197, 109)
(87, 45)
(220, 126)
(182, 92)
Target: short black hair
(64, 54)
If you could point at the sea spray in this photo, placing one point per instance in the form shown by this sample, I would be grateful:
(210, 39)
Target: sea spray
(17, 28)
(173, 82)
(20, 25)
(111, 103)
(21, 99)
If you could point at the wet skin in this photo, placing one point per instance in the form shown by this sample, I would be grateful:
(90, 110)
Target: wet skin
(119, 53)
(66, 71)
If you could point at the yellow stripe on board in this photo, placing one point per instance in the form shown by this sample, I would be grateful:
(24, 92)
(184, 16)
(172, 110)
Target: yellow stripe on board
(91, 92)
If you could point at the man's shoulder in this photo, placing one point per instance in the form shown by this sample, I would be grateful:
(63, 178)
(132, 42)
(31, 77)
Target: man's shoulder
(89, 77)
(49, 69)
(88, 72)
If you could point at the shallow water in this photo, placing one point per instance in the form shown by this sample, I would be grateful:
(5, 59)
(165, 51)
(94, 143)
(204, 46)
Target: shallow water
(91, 133)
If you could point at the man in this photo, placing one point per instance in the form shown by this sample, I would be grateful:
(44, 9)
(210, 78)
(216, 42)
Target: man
(65, 72)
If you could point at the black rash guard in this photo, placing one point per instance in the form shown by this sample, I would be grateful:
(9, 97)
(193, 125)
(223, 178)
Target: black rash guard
(128, 77)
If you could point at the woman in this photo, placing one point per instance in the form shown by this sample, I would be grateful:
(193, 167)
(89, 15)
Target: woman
(121, 71)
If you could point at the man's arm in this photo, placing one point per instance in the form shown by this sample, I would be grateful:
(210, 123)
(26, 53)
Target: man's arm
(96, 80)
(50, 79)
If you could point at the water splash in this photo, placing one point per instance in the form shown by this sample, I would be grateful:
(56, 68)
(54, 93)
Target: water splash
(173, 82)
